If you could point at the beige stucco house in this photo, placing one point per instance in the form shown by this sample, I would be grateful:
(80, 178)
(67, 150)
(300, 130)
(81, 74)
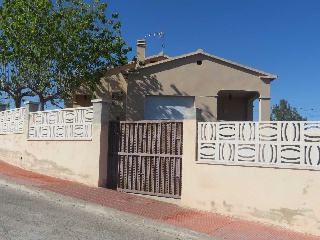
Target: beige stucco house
(161, 87)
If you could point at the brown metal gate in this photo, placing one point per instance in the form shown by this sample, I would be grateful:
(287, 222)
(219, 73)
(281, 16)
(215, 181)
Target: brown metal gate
(146, 157)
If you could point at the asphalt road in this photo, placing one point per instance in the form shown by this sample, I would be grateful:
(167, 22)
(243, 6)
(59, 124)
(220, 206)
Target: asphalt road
(30, 214)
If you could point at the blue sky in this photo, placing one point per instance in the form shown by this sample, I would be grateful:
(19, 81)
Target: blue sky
(281, 37)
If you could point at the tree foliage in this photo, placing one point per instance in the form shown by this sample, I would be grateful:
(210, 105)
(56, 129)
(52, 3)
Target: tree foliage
(284, 112)
(12, 85)
(55, 47)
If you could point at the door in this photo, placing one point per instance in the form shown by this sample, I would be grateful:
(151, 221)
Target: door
(167, 107)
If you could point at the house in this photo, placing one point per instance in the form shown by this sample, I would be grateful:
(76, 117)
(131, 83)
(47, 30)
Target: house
(114, 85)
(160, 87)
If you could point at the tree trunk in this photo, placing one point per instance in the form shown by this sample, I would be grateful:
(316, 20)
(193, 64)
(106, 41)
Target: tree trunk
(17, 102)
(42, 103)
(41, 108)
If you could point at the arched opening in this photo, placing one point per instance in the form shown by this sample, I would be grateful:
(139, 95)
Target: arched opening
(236, 105)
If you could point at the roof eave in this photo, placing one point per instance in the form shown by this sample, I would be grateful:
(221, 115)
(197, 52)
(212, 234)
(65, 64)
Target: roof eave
(200, 51)
(271, 77)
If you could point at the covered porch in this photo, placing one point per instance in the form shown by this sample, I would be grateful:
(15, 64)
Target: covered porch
(237, 105)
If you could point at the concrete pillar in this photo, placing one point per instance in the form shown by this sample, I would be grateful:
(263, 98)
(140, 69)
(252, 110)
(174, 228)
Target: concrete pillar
(3, 107)
(30, 107)
(189, 160)
(209, 105)
(215, 104)
(193, 114)
(100, 130)
(250, 110)
(264, 109)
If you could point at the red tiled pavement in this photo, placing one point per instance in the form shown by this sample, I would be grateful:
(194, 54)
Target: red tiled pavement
(204, 222)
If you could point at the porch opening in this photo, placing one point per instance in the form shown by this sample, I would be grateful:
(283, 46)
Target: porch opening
(236, 105)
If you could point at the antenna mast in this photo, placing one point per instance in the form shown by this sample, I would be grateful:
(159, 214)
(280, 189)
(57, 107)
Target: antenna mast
(161, 35)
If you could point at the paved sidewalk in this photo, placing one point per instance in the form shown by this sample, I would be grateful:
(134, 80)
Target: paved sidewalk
(199, 221)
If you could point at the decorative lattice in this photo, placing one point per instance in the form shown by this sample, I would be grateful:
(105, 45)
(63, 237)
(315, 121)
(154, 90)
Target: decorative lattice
(12, 121)
(273, 144)
(64, 124)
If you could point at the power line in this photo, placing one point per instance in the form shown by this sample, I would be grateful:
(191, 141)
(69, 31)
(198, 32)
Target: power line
(160, 35)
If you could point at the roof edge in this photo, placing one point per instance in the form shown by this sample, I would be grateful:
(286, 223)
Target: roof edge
(270, 77)
(200, 51)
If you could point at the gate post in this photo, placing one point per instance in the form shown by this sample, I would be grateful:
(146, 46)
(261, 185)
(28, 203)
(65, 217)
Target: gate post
(100, 130)
(189, 156)
(3, 107)
(29, 108)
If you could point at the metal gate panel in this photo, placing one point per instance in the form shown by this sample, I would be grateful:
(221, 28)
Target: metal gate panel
(146, 157)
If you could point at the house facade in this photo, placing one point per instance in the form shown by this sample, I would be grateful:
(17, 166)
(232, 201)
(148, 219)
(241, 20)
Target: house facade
(160, 87)
(114, 86)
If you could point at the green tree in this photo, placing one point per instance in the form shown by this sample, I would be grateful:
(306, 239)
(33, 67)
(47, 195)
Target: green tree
(284, 112)
(60, 45)
(12, 85)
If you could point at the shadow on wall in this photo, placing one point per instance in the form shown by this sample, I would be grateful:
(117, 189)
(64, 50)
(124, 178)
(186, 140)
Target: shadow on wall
(167, 112)
(207, 114)
(141, 86)
(205, 110)
(150, 85)
(137, 90)
(114, 88)
(178, 92)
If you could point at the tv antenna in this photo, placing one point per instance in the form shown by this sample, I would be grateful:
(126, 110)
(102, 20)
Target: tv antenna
(160, 35)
